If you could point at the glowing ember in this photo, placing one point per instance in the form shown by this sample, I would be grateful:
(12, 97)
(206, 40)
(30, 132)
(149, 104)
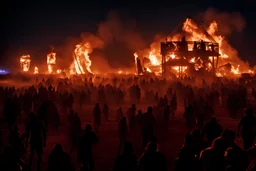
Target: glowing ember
(36, 71)
(192, 60)
(172, 56)
(51, 61)
(59, 71)
(25, 63)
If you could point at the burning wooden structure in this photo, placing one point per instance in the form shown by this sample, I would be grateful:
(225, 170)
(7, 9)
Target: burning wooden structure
(25, 63)
(192, 56)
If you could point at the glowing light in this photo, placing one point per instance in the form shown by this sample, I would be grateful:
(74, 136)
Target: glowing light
(59, 71)
(82, 62)
(51, 61)
(25, 63)
(36, 71)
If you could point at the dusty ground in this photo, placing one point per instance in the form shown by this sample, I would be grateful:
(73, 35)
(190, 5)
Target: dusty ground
(105, 151)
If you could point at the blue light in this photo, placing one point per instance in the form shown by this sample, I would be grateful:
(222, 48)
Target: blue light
(3, 71)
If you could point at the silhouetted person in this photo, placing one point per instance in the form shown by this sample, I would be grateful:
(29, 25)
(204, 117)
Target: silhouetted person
(85, 154)
(122, 132)
(127, 160)
(9, 112)
(166, 118)
(59, 160)
(148, 126)
(56, 122)
(152, 159)
(130, 114)
(232, 157)
(212, 130)
(229, 139)
(119, 114)
(16, 142)
(1, 140)
(248, 123)
(75, 130)
(212, 158)
(105, 111)
(9, 160)
(199, 143)
(190, 117)
(188, 157)
(36, 135)
(252, 156)
(97, 117)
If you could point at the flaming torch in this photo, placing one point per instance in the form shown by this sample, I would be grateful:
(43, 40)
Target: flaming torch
(51, 61)
(25, 63)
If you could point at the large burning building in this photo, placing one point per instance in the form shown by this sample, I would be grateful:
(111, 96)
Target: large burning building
(194, 51)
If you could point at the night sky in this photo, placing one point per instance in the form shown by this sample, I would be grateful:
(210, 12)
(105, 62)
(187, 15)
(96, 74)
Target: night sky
(31, 26)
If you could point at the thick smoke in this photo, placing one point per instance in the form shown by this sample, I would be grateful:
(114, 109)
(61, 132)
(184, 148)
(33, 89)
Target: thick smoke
(227, 22)
(115, 29)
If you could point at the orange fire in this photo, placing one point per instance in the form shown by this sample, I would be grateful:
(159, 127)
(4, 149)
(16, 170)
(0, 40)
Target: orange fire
(82, 63)
(59, 71)
(36, 71)
(194, 32)
(25, 63)
(51, 61)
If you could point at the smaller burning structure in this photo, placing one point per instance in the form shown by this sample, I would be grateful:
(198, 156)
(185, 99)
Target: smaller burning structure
(51, 61)
(25, 63)
(36, 70)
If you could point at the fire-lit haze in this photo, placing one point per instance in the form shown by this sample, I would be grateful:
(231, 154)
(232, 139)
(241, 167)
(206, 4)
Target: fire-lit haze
(91, 54)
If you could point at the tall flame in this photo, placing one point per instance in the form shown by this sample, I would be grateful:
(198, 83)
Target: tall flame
(82, 62)
(51, 61)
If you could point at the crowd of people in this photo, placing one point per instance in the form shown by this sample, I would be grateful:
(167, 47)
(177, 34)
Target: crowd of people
(208, 146)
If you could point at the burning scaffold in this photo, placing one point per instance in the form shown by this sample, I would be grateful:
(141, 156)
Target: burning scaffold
(25, 63)
(196, 48)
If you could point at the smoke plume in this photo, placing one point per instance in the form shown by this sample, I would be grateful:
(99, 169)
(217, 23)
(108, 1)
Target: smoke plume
(227, 22)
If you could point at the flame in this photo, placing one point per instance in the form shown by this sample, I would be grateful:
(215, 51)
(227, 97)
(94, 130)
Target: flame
(154, 59)
(36, 71)
(135, 56)
(51, 61)
(235, 70)
(172, 56)
(197, 33)
(25, 63)
(59, 71)
(82, 62)
(192, 60)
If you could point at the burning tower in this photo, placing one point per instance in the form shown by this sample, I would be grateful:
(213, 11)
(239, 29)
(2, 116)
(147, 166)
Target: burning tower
(25, 63)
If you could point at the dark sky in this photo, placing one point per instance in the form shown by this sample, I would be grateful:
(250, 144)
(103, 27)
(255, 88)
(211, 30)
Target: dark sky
(31, 26)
